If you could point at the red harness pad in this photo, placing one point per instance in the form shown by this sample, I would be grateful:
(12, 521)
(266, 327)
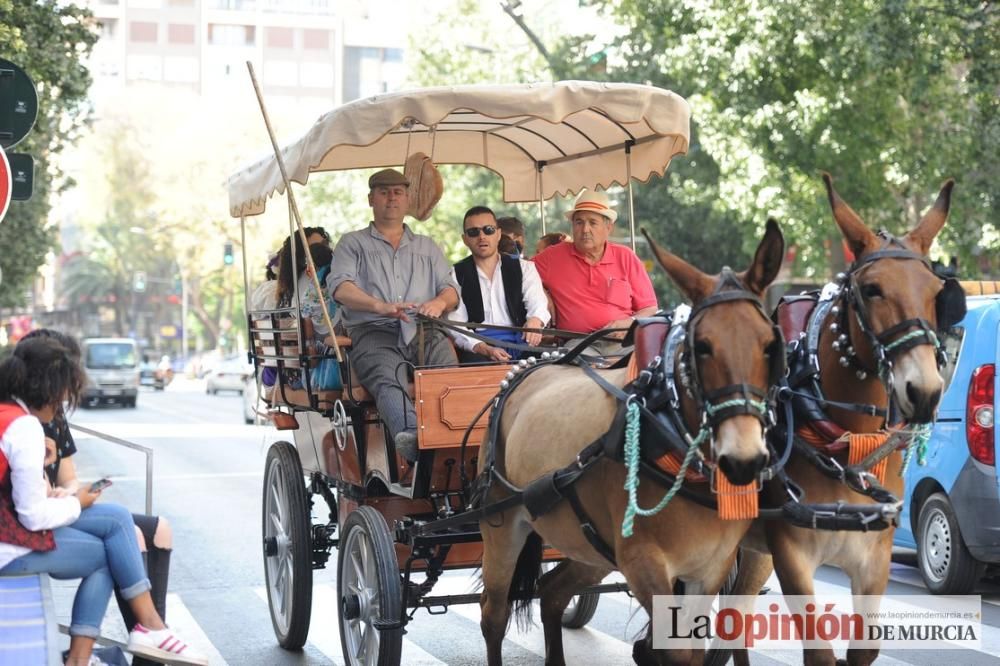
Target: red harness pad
(793, 315)
(649, 339)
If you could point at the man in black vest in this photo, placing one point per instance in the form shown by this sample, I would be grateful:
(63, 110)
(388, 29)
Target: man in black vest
(495, 289)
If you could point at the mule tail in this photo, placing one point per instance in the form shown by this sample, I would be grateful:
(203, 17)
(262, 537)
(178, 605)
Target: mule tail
(524, 582)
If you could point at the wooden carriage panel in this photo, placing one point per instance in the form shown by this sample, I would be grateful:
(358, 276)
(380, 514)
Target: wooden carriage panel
(447, 399)
(445, 476)
(340, 451)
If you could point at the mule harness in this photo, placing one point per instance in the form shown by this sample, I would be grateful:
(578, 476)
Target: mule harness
(835, 301)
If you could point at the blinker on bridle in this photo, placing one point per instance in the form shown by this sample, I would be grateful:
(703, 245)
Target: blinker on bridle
(749, 400)
(898, 338)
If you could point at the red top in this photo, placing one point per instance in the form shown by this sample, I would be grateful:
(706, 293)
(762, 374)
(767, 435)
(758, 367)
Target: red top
(589, 296)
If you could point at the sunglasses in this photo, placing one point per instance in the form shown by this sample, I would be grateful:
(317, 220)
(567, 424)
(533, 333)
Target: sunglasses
(473, 232)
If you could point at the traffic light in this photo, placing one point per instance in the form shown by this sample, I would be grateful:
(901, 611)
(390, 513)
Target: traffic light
(227, 253)
(139, 282)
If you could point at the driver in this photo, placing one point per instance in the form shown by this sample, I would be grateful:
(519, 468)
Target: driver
(381, 275)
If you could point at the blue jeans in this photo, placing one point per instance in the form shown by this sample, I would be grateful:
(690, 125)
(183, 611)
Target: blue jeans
(101, 548)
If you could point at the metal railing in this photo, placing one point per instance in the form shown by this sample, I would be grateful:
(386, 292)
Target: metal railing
(129, 445)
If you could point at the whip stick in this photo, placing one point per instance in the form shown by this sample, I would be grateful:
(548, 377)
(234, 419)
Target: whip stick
(295, 209)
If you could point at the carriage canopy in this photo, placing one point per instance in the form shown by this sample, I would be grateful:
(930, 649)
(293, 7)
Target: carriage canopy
(542, 139)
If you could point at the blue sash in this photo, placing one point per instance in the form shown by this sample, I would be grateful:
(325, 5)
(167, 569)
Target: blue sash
(500, 336)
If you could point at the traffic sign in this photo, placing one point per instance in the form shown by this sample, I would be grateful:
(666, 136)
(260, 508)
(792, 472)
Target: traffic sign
(6, 185)
(22, 175)
(18, 104)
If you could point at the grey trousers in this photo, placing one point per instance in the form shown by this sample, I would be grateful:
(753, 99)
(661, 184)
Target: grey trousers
(379, 363)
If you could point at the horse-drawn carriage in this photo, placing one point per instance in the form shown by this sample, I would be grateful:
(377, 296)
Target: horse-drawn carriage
(704, 387)
(543, 141)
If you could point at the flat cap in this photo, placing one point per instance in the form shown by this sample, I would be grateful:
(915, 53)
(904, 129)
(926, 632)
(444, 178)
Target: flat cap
(387, 177)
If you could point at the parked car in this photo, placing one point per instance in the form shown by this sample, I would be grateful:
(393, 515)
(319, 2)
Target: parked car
(229, 375)
(952, 510)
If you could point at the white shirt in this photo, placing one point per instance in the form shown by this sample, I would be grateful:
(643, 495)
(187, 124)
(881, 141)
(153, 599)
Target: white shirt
(23, 444)
(495, 301)
(264, 297)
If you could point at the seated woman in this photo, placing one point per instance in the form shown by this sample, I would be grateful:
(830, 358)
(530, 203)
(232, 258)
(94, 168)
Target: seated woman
(317, 333)
(68, 536)
(152, 532)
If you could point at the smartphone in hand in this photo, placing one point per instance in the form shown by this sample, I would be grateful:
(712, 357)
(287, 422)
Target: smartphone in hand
(100, 485)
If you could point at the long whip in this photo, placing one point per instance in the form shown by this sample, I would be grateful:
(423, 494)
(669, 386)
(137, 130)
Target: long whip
(294, 208)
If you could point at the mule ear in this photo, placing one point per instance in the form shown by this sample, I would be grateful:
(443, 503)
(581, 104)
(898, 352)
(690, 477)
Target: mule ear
(695, 284)
(930, 224)
(767, 259)
(858, 235)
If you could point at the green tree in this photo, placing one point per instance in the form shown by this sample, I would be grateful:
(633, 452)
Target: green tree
(889, 96)
(522, 42)
(50, 40)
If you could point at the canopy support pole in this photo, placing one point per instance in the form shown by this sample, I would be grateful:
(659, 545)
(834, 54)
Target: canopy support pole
(541, 199)
(294, 211)
(246, 293)
(631, 202)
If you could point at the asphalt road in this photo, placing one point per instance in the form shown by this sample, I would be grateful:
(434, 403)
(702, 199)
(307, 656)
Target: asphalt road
(208, 477)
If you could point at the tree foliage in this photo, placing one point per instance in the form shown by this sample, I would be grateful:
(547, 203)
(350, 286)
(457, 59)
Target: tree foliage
(889, 96)
(49, 40)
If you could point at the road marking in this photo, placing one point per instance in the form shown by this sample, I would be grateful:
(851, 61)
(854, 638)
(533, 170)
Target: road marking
(580, 645)
(203, 431)
(325, 602)
(191, 477)
(190, 631)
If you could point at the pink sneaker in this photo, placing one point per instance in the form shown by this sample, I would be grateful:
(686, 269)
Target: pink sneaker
(163, 645)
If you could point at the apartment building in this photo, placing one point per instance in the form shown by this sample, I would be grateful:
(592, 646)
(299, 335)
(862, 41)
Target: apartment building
(314, 52)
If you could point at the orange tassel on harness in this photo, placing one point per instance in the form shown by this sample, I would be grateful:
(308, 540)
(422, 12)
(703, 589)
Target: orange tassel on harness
(735, 502)
(862, 445)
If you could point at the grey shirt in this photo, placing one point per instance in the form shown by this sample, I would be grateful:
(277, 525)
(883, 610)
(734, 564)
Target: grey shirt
(415, 272)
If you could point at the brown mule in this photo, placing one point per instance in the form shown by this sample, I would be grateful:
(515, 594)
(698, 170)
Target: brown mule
(895, 289)
(557, 410)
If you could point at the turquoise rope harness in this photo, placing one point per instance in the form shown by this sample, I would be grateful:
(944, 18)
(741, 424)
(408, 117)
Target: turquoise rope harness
(918, 442)
(632, 420)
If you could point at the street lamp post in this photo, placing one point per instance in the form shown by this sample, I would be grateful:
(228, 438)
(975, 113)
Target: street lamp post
(184, 315)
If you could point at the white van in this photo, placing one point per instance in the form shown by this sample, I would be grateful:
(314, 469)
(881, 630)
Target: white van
(112, 371)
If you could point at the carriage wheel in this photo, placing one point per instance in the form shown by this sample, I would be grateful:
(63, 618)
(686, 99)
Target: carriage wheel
(581, 610)
(369, 589)
(287, 546)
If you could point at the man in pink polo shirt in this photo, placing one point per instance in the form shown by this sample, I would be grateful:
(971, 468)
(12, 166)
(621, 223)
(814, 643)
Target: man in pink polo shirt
(595, 283)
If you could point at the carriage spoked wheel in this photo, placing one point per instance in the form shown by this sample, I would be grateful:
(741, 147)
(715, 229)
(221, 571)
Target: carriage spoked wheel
(370, 592)
(581, 608)
(287, 546)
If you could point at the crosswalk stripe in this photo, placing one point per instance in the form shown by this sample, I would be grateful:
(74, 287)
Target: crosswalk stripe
(186, 626)
(324, 605)
(580, 645)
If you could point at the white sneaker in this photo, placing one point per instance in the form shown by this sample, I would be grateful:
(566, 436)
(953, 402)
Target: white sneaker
(163, 645)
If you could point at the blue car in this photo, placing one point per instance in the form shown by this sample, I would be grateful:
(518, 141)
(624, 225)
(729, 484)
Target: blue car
(952, 511)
